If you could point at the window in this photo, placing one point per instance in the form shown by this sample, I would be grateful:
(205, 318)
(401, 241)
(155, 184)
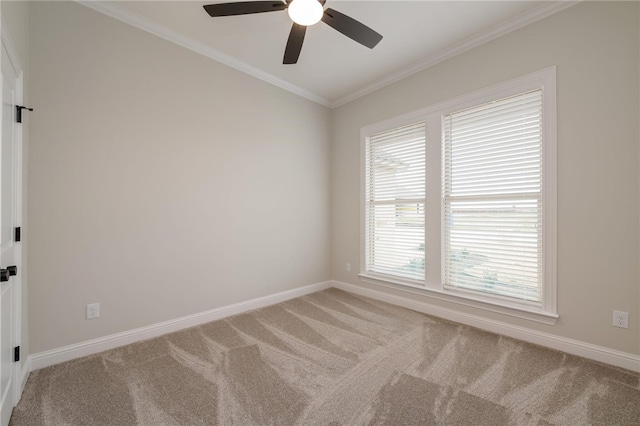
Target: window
(492, 197)
(459, 199)
(395, 202)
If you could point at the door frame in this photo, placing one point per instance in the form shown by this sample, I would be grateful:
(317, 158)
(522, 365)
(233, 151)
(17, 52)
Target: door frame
(17, 376)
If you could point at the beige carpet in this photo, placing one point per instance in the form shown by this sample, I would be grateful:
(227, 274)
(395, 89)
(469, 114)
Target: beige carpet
(330, 358)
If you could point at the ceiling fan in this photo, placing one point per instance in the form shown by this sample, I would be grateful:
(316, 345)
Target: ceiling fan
(304, 13)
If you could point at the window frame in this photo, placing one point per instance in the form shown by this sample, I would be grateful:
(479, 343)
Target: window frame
(433, 117)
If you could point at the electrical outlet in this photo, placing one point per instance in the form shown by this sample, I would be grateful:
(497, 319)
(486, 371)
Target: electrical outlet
(348, 267)
(93, 310)
(621, 319)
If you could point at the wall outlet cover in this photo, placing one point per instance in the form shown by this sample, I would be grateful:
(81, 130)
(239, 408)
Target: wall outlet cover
(93, 310)
(621, 319)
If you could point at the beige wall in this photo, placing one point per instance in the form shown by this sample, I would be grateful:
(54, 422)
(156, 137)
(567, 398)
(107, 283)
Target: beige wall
(15, 15)
(595, 46)
(162, 183)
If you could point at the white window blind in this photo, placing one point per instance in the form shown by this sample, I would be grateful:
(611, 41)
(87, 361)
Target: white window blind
(395, 197)
(492, 198)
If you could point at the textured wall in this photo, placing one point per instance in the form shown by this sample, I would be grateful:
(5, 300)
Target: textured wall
(162, 183)
(595, 46)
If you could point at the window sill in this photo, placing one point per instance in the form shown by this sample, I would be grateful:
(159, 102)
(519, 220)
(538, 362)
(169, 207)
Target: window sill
(414, 287)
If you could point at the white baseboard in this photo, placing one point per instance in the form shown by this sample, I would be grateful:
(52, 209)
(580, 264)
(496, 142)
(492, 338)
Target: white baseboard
(574, 347)
(90, 347)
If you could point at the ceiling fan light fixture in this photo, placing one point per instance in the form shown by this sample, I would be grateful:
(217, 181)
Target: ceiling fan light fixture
(305, 12)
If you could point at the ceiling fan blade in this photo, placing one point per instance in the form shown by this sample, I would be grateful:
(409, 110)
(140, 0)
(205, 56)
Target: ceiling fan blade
(351, 28)
(294, 44)
(243, 7)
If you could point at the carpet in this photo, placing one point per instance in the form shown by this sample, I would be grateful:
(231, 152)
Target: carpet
(330, 358)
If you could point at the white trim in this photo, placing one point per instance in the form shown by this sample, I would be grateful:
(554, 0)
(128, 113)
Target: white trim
(571, 346)
(575, 347)
(17, 296)
(506, 88)
(18, 372)
(145, 24)
(550, 189)
(93, 346)
(433, 283)
(476, 40)
(148, 25)
(26, 370)
(10, 49)
(497, 306)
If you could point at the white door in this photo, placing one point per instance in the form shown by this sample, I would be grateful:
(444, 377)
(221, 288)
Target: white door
(10, 197)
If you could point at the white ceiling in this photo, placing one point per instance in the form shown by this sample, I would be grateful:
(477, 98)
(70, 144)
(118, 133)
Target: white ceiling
(333, 69)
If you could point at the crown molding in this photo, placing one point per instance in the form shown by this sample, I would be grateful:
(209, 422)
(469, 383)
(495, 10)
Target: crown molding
(110, 9)
(461, 47)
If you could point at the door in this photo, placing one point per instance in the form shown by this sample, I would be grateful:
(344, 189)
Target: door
(10, 257)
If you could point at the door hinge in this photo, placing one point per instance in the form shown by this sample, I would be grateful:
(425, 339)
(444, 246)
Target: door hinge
(19, 109)
(16, 354)
(17, 234)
